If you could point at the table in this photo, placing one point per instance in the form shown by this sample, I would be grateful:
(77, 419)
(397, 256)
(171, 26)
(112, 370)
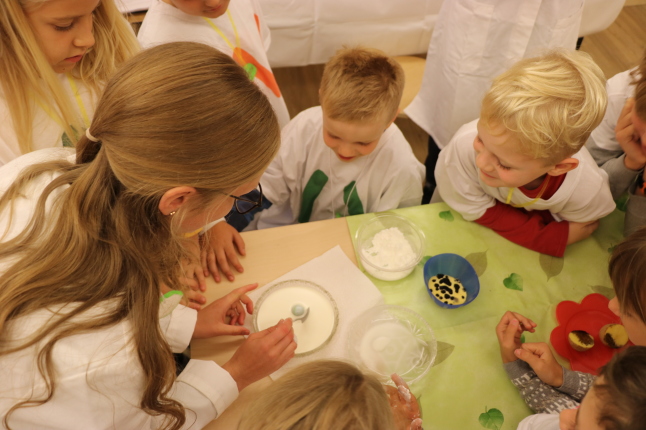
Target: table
(467, 381)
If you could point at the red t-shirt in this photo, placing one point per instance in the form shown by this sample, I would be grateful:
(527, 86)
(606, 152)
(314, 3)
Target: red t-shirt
(536, 230)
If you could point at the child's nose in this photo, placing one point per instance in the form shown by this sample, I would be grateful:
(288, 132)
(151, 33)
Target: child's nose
(85, 37)
(483, 162)
(346, 150)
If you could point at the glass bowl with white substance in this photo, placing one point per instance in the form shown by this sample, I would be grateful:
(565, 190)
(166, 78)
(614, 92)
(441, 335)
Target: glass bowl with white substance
(391, 339)
(389, 246)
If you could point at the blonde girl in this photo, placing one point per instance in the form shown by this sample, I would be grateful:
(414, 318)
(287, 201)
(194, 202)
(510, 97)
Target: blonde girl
(330, 394)
(89, 239)
(56, 55)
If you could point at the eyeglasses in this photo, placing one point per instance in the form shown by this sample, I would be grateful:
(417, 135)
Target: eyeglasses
(245, 205)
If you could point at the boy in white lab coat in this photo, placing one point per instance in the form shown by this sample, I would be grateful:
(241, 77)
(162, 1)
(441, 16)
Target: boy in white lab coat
(345, 157)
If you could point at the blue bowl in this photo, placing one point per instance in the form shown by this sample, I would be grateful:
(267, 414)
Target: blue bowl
(457, 267)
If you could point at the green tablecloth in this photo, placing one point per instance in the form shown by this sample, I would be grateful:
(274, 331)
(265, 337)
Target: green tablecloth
(468, 380)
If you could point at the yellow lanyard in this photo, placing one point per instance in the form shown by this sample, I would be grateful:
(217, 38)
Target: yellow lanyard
(223, 36)
(53, 115)
(523, 205)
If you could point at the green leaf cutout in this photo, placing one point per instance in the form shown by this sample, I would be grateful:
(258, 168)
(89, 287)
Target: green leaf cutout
(424, 259)
(491, 419)
(608, 292)
(522, 338)
(444, 350)
(479, 261)
(552, 266)
(446, 215)
(622, 202)
(514, 282)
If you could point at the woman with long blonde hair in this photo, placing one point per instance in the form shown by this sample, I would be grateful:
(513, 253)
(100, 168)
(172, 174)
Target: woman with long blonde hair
(55, 56)
(89, 239)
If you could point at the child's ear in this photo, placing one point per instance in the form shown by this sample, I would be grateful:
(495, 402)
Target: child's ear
(564, 166)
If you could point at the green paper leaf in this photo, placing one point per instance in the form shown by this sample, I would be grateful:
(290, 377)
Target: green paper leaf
(514, 282)
(491, 419)
(552, 266)
(446, 215)
(522, 338)
(608, 292)
(444, 350)
(251, 71)
(67, 142)
(479, 261)
(622, 202)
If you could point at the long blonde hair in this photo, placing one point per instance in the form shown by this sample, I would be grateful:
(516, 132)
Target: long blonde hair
(27, 75)
(177, 114)
(321, 395)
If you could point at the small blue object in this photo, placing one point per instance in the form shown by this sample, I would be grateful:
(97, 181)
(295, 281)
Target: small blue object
(457, 267)
(298, 310)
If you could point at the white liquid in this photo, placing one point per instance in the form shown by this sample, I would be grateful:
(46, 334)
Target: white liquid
(389, 347)
(318, 326)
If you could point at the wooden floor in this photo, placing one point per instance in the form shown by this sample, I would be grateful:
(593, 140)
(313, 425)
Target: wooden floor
(616, 49)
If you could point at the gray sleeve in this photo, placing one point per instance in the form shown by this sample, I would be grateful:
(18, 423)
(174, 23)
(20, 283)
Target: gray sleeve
(576, 384)
(619, 176)
(635, 213)
(540, 397)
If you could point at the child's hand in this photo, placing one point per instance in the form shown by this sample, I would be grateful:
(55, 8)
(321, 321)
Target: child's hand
(404, 405)
(539, 356)
(581, 230)
(509, 330)
(262, 354)
(220, 249)
(190, 298)
(626, 136)
(212, 320)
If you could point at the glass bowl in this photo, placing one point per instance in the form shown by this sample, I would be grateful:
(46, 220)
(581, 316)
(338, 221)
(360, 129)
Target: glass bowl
(391, 339)
(456, 266)
(279, 301)
(389, 246)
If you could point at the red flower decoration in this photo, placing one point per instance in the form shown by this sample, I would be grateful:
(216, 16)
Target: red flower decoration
(590, 315)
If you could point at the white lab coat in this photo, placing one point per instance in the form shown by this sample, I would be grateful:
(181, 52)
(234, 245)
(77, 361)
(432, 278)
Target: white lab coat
(476, 40)
(389, 177)
(99, 377)
(165, 23)
(46, 131)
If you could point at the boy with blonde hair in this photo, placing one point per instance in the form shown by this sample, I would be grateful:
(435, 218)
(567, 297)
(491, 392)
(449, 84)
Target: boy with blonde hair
(521, 169)
(345, 157)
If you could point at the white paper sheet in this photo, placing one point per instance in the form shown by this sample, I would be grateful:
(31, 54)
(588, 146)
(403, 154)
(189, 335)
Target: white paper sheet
(352, 291)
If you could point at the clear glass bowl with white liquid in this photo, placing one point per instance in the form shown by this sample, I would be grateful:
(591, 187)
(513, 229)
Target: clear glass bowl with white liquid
(391, 339)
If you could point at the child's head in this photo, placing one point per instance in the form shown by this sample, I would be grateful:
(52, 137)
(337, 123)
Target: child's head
(40, 38)
(322, 394)
(544, 109)
(627, 270)
(205, 8)
(360, 94)
(617, 400)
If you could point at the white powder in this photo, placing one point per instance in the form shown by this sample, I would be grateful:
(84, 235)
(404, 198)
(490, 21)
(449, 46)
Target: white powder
(390, 251)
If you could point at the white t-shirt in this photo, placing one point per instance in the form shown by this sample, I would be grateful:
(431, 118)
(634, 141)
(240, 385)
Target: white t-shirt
(164, 24)
(619, 90)
(47, 131)
(583, 196)
(99, 377)
(390, 177)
